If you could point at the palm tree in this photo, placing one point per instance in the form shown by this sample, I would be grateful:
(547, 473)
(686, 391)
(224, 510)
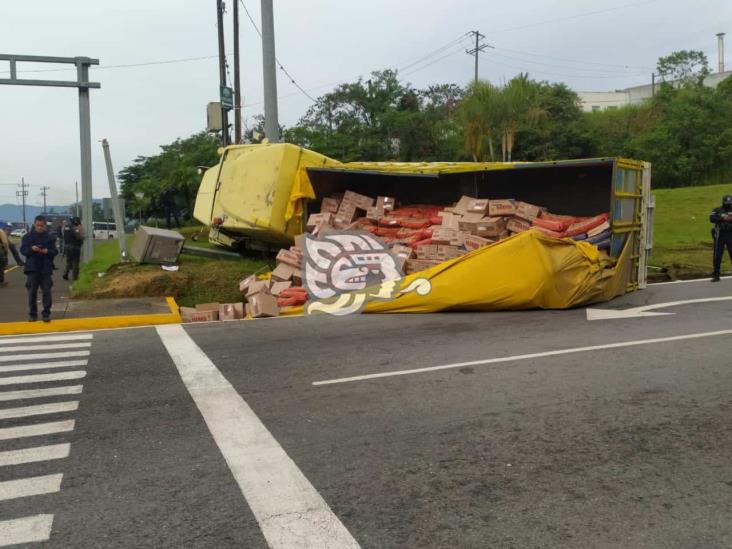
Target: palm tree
(480, 114)
(520, 109)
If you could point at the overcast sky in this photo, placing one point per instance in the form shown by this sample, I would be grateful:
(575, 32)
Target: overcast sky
(599, 45)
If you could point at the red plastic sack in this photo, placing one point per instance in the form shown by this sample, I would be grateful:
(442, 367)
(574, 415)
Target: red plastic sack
(587, 224)
(549, 232)
(414, 223)
(555, 225)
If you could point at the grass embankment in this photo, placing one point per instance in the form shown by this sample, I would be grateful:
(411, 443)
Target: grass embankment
(682, 231)
(199, 279)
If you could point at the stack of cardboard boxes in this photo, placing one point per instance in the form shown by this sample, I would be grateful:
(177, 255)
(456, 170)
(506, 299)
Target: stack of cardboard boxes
(419, 237)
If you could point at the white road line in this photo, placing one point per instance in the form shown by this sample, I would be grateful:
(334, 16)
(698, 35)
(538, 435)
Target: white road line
(290, 512)
(68, 354)
(25, 530)
(40, 393)
(43, 365)
(33, 455)
(52, 346)
(39, 409)
(523, 357)
(39, 378)
(37, 430)
(32, 486)
(44, 339)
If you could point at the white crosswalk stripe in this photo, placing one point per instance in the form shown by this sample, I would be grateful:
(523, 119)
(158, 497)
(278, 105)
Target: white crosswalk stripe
(19, 348)
(38, 360)
(36, 356)
(39, 429)
(39, 409)
(25, 530)
(45, 338)
(40, 393)
(32, 486)
(32, 455)
(40, 378)
(43, 365)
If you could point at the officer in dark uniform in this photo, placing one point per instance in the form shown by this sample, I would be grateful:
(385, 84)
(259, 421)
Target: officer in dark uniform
(73, 237)
(722, 233)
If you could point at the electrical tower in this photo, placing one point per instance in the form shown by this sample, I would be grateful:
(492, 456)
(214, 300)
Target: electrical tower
(22, 193)
(479, 47)
(44, 193)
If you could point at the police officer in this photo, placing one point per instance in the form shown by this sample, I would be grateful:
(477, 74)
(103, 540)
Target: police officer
(4, 252)
(722, 233)
(73, 237)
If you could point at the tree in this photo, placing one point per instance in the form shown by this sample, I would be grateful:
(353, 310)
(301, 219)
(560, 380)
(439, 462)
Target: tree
(481, 113)
(176, 166)
(684, 66)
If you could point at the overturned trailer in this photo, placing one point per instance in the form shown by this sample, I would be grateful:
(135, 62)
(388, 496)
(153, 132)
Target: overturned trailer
(261, 195)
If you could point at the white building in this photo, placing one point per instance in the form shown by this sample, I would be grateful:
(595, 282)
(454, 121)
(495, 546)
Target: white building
(600, 101)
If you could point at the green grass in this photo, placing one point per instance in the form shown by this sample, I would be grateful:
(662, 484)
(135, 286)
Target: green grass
(106, 254)
(682, 242)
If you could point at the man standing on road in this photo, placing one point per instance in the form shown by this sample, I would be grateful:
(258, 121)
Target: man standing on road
(4, 252)
(39, 249)
(73, 237)
(722, 233)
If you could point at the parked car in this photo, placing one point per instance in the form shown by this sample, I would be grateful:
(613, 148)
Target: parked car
(20, 233)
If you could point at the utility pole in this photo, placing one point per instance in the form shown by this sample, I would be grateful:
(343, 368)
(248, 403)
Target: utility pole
(477, 49)
(237, 84)
(44, 193)
(269, 66)
(118, 219)
(22, 193)
(76, 206)
(222, 71)
(653, 84)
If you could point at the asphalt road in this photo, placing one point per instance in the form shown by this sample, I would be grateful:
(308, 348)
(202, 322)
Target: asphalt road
(611, 433)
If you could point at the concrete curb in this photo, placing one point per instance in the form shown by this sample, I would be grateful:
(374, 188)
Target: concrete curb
(93, 323)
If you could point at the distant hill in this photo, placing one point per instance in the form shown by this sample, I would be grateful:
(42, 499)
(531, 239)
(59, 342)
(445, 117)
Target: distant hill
(14, 213)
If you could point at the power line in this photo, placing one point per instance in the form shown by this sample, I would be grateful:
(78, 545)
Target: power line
(544, 64)
(282, 68)
(577, 16)
(550, 73)
(459, 40)
(575, 60)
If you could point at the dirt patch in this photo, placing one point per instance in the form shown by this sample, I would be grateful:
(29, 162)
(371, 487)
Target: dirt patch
(140, 281)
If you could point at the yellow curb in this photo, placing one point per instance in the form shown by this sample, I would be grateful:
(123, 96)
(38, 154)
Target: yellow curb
(93, 323)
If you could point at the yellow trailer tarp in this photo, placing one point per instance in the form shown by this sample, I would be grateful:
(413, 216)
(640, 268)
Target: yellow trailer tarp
(527, 271)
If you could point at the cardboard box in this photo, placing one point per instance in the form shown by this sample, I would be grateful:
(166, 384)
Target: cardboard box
(207, 307)
(449, 252)
(300, 241)
(186, 313)
(427, 251)
(497, 208)
(516, 225)
(329, 205)
(444, 236)
(473, 242)
(417, 265)
(359, 200)
(205, 312)
(504, 235)
(490, 227)
(231, 311)
(527, 211)
(468, 222)
(478, 205)
(244, 284)
(278, 287)
(374, 213)
(289, 258)
(461, 207)
(284, 272)
(298, 252)
(263, 305)
(318, 219)
(258, 287)
(402, 253)
(450, 220)
(386, 203)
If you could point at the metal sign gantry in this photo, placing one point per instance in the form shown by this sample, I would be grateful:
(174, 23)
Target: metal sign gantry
(82, 83)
